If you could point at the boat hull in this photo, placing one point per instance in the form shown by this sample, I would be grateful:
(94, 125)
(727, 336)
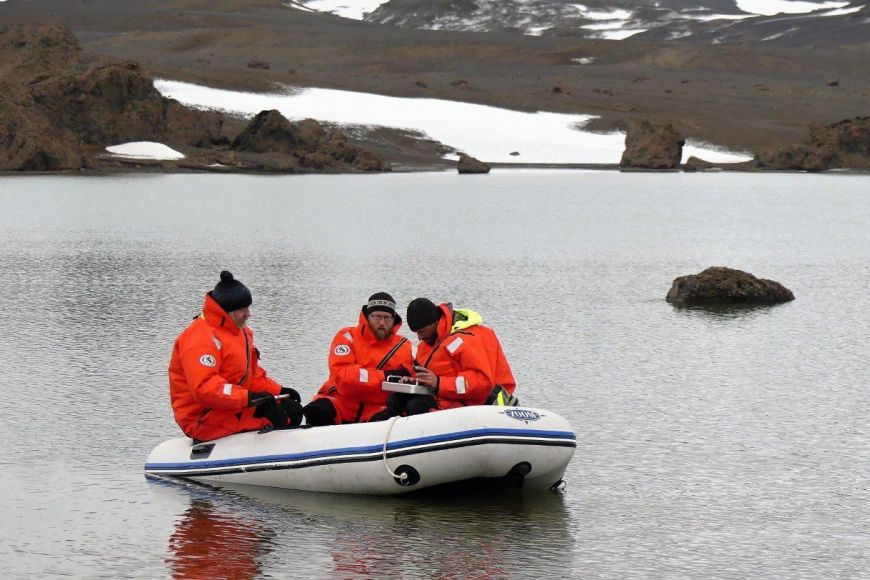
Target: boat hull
(530, 446)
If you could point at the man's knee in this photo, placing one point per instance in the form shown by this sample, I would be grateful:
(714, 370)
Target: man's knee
(421, 404)
(319, 412)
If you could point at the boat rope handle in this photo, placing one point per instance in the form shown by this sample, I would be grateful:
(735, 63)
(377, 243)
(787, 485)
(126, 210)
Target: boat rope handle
(400, 477)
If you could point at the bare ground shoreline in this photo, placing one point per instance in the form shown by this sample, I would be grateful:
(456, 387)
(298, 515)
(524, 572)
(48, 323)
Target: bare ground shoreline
(746, 97)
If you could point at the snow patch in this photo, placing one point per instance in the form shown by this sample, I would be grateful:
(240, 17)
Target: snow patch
(772, 7)
(488, 133)
(144, 150)
(353, 9)
(843, 11)
(584, 60)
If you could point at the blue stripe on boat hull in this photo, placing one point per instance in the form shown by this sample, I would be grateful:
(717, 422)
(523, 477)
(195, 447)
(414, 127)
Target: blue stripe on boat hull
(368, 453)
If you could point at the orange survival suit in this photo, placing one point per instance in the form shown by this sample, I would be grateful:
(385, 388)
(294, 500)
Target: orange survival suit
(354, 383)
(467, 357)
(214, 365)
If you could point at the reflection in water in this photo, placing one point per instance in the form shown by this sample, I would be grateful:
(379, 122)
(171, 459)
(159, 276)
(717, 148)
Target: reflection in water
(728, 311)
(210, 541)
(365, 537)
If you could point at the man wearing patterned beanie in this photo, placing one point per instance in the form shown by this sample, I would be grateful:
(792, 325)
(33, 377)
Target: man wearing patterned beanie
(216, 384)
(361, 357)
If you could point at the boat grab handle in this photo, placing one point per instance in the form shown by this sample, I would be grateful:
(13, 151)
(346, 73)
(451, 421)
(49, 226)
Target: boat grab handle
(399, 477)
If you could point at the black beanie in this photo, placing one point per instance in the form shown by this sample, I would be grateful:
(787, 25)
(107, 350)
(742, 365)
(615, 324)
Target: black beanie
(381, 302)
(231, 294)
(422, 311)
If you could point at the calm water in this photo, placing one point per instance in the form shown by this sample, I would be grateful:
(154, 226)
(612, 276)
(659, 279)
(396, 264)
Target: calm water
(722, 444)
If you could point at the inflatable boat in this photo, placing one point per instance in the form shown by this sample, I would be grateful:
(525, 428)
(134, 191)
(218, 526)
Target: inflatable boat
(527, 447)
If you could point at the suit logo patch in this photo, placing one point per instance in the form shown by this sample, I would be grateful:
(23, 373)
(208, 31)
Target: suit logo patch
(342, 350)
(207, 360)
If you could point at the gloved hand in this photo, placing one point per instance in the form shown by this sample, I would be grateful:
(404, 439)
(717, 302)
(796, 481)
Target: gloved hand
(258, 398)
(294, 394)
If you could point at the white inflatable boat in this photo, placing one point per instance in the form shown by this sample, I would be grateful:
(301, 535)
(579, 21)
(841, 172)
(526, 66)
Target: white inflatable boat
(489, 444)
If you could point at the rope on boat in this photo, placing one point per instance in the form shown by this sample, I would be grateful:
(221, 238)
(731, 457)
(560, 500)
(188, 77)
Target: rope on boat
(400, 477)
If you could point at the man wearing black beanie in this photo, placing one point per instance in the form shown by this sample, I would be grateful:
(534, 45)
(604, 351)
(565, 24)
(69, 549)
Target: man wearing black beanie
(361, 357)
(458, 357)
(216, 384)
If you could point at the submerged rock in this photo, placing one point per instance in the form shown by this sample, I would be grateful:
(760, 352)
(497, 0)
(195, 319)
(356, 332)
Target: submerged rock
(649, 146)
(468, 164)
(719, 285)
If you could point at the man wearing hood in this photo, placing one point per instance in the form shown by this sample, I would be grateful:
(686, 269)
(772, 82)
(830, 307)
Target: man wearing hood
(361, 357)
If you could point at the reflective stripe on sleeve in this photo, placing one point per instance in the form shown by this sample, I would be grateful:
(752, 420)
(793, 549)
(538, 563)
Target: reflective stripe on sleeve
(363, 375)
(460, 385)
(451, 348)
(348, 336)
(228, 389)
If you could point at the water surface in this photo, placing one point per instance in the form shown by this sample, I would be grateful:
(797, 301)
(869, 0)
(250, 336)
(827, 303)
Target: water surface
(711, 443)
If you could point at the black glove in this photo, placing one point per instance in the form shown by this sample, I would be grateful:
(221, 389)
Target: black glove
(258, 398)
(294, 395)
(399, 372)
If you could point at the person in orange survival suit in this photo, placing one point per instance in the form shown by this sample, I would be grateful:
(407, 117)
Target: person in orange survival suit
(360, 359)
(216, 383)
(458, 357)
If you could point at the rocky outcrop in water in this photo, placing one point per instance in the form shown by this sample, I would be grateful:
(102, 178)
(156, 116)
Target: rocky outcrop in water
(717, 285)
(842, 145)
(468, 164)
(649, 146)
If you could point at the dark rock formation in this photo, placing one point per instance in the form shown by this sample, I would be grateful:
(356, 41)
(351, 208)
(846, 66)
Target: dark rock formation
(842, 145)
(29, 142)
(468, 164)
(305, 144)
(59, 114)
(697, 164)
(649, 146)
(719, 285)
(257, 63)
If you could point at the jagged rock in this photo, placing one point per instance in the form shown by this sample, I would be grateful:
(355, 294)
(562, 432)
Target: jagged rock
(369, 161)
(468, 164)
(718, 285)
(649, 146)
(55, 108)
(310, 133)
(697, 164)
(105, 104)
(28, 51)
(338, 146)
(268, 132)
(842, 145)
(28, 142)
(203, 129)
(318, 160)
